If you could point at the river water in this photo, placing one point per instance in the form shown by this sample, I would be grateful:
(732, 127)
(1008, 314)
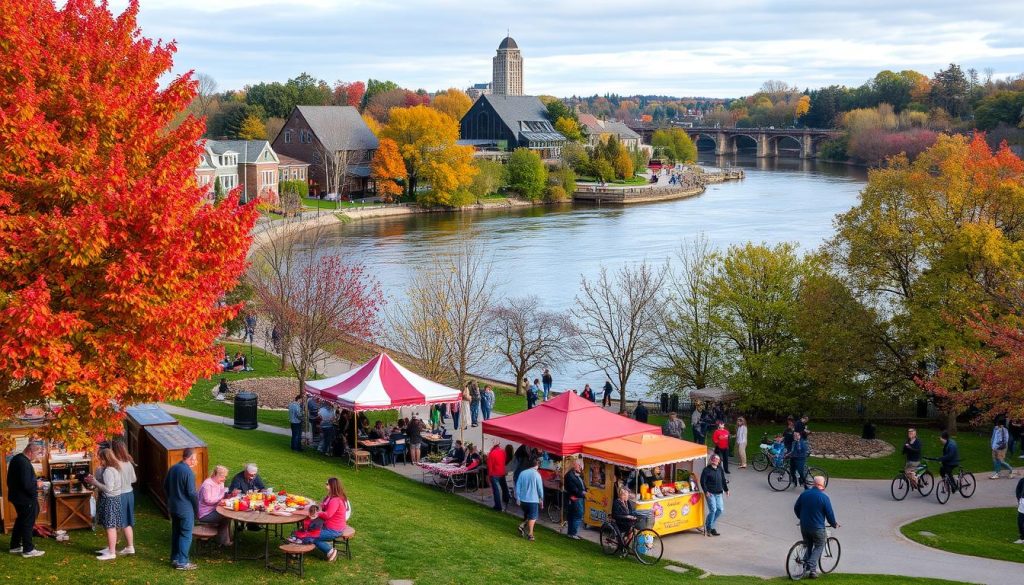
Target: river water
(545, 250)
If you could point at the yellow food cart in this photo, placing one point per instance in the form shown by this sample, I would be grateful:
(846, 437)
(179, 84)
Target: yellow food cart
(607, 462)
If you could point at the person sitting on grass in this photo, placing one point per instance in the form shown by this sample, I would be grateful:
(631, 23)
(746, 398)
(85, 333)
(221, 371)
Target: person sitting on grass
(311, 527)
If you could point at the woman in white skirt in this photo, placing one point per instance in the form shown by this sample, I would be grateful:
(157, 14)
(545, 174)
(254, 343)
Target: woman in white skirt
(109, 513)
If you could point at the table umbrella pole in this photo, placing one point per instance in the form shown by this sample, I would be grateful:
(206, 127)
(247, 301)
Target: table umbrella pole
(355, 439)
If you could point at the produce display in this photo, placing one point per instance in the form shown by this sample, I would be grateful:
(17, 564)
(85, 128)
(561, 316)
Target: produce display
(281, 503)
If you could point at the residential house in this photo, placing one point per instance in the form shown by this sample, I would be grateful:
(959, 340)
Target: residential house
(332, 141)
(292, 169)
(600, 130)
(252, 164)
(508, 122)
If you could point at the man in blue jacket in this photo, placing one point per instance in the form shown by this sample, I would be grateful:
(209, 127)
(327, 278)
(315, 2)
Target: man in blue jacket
(183, 506)
(798, 460)
(814, 508)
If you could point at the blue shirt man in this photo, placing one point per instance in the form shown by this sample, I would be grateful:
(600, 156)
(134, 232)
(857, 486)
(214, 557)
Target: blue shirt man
(530, 493)
(814, 508)
(183, 507)
(295, 420)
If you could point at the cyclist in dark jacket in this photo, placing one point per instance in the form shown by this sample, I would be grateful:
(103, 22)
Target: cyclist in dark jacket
(950, 459)
(798, 460)
(622, 513)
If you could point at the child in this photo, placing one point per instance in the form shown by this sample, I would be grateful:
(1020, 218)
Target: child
(778, 449)
(310, 528)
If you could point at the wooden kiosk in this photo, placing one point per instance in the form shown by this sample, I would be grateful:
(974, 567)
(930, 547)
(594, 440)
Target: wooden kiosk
(640, 455)
(162, 446)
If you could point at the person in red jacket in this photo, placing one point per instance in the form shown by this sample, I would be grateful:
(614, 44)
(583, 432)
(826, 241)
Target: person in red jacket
(721, 440)
(496, 473)
(334, 508)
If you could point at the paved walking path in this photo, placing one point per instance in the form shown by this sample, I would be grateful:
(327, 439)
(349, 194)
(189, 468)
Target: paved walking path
(758, 526)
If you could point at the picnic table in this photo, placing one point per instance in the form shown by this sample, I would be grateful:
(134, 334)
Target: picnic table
(376, 447)
(446, 476)
(264, 519)
(433, 440)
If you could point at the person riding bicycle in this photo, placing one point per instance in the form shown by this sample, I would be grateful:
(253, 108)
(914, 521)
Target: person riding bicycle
(778, 451)
(814, 508)
(798, 460)
(949, 461)
(912, 451)
(623, 514)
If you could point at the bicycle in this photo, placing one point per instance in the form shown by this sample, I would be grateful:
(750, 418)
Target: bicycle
(644, 543)
(554, 509)
(965, 484)
(763, 459)
(779, 478)
(826, 564)
(901, 483)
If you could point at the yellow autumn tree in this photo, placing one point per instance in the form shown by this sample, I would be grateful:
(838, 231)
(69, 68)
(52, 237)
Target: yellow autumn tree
(426, 140)
(803, 105)
(453, 102)
(623, 164)
(387, 169)
(252, 128)
(569, 128)
(372, 123)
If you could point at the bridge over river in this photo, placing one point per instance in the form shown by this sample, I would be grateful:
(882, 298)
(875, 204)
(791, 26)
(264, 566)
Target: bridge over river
(769, 141)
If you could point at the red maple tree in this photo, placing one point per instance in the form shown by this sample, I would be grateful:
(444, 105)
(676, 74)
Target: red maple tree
(112, 268)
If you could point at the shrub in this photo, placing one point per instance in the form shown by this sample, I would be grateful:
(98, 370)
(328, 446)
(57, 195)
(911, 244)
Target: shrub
(556, 193)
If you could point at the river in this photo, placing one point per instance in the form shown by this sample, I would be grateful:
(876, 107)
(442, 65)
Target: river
(545, 250)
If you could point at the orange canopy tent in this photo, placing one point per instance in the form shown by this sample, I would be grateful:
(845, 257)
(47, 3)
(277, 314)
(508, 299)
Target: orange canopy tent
(644, 450)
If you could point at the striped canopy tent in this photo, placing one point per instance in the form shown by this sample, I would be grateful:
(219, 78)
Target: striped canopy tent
(381, 384)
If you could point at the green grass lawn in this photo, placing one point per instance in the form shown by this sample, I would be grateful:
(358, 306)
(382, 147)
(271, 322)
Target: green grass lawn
(986, 532)
(264, 365)
(314, 203)
(404, 531)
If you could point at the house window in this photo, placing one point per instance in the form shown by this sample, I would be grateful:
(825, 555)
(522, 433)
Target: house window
(287, 136)
(228, 182)
(267, 178)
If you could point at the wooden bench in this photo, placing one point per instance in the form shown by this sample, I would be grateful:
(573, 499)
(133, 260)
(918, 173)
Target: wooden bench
(346, 536)
(203, 534)
(296, 552)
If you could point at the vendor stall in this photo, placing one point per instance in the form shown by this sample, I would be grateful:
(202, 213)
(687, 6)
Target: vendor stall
(657, 470)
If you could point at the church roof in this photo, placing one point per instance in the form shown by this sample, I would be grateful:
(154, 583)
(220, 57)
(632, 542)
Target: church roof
(508, 43)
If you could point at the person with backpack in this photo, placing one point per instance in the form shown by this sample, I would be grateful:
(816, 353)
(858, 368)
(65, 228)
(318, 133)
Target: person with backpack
(1000, 441)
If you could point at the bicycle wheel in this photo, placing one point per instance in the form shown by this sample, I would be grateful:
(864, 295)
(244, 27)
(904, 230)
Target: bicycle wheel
(813, 472)
(647, 546)
(942, 490)
(925, 483)
(795, 561)
(830, 555)
(609, 539)
(967, 484)
(778, 479)
(900, 487)
(554, 511)
(760, 462)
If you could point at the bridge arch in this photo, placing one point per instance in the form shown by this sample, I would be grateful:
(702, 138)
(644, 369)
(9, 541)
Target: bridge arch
(782, 141)
(706, 138)
(735, 143)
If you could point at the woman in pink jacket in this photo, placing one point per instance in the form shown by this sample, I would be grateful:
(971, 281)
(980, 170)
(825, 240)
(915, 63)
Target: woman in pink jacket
(333, 512)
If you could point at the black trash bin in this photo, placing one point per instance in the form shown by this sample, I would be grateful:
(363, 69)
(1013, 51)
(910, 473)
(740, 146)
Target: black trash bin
(245, 411)
(868, 432)
(664, 402)
(673, 403)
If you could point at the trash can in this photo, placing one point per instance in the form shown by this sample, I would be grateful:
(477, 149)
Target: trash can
(673, 403)
(245, 411)
(664, 402)
(868, 432)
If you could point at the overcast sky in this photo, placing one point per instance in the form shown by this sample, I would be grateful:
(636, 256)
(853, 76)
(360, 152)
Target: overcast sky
(720, 48)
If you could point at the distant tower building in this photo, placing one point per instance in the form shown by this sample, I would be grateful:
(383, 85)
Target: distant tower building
(508, 69)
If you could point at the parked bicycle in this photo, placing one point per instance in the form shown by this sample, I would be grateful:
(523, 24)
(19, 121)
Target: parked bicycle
(924, 480)
(798, 553)
(779, 478)
(644, 543)
(959, 480)
(763, 459)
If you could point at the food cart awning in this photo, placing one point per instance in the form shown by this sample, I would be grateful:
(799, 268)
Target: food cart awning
(381, 384)
(564, 424)
(644, 450)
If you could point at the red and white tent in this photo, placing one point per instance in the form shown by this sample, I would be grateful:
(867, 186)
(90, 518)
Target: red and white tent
(381, 384)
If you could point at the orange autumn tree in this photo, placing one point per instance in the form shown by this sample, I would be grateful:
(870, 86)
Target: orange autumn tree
(111, 266)
(387, 169)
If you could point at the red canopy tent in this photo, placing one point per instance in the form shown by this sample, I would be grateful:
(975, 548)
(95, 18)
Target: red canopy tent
(563, 424)
(381, 384)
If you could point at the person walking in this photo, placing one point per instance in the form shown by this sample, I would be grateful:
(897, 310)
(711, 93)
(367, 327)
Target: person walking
(295, 420)
(183, 507)
(530, 495)
(326, 415)
(532, 394)
(474, 402)
(1020, 511)
(1015, 428)
(126, 466)
(606, 398)
(720, 438)
(715, 488)
(741, 441)
(695, 424)
(798, 460)
(814, 508)
(22, 493)
(496, 471)
(487, 402)
(1000, 441)
(673, 427)
(640, 412)
(456, 410)
(547, 380)
(575, 496)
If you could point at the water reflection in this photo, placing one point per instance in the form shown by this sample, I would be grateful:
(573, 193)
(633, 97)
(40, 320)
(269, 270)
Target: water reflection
(545, 250)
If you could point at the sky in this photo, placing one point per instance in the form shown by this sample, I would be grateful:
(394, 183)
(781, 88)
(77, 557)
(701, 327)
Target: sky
(720, 48)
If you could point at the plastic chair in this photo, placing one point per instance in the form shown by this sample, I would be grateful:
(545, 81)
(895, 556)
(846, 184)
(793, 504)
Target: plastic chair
(399, 449)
